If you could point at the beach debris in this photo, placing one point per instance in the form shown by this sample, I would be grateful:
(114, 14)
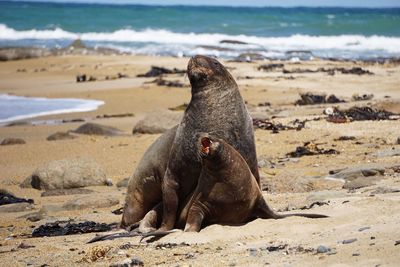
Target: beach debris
(349, 241)
(96, 253)
(118, 211)
(310, 149)
(65, 174)
(59, 228)
(97, 129)
(7, 198)
(265, 124)
(81, 78)
(270, 67)
(345, 138)
(179, 108)
(274, 247)
(162, 82)
(12, 141)
(108, 116)
(313, 204)
(397, 243)
(364, 97)
(157, 71)
(66, 192)
(357, 114)
(60, 136)
(312, 99)
(329, 71)
(157, 122)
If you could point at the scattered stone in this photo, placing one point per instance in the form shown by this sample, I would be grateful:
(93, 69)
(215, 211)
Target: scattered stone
(16, 207)
(7, 198)
(312, 99)
(66, 174)
(157, 71)
(23, 245)
(123, 182)
(364, 97)
(118, 211)
(364, 228)
(358, 114)
(391, 152)
(81, 78)
(35, 216)
(179, 108)
(60, 136)
(157, 122)
(360, 183)
(129, 263)
(330, 71)
(65, 192)
(325, 195)
(323, 249)
(190, 255)
(353, 173)
(345, 138)
(310, 149)
(67, 228)
(97, 129)
(12, 141)
(397, 243)
(107, 116)
(270, 67)
(253, 252)
(355, 254)
(274, 248)
(349, 241)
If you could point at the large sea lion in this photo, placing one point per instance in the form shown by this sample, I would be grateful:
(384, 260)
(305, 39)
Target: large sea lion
(144, 186)
(216, 107)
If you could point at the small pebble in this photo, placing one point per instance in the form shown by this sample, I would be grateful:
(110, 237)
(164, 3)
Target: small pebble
(397, 243)
(189, 255)
(253, 252)
(323, 249)
(349, 241)
(355, 254)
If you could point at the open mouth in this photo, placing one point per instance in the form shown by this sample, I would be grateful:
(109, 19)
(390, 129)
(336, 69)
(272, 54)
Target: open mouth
(205, 145)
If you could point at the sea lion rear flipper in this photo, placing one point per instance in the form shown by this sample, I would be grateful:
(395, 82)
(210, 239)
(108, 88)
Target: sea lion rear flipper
(158, 233)
(113, 236)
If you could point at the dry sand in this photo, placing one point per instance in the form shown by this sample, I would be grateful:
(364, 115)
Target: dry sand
(292, 183)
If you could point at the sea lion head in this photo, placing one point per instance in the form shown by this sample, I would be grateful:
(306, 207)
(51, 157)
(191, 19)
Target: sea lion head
(205, 71)
(210, 148)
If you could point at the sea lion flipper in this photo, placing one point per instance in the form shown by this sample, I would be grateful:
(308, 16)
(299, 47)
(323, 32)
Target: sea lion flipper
(158, 234)
(194, 220)
(113, 236)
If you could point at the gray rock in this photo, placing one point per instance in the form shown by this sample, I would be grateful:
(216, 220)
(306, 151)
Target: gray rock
(353, 173)
(128, 263)
(17, 207)
(97, 129)
(364, 228)
(35, 216)
(361, 182)
(253, 252)
(123, 182)
(323, 249)
(64, 192)
(349, 241)
(157, 122)
(60, 136)
(65, 174)
(12, 141)
(385, 190)
(391, 152)
(86, 202)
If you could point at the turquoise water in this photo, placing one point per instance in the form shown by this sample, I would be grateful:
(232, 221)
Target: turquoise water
(187, 30)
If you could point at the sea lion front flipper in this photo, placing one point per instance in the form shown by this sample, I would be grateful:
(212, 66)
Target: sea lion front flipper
(194, 220)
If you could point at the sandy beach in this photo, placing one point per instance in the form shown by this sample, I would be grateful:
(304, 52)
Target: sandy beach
(364, 211)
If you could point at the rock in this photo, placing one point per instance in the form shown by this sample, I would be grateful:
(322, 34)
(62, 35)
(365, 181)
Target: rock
(384, 190)
(391, 152)
(60, 136)
(17, 207)
(397, 243)
(323, 249)
(12, 141)
(129, 263)
(25, 246)
(17, 53)
(7, 198)
(77, 44)
(312, 99)
(310, 149)
(253, 252)
(123, 182)
(270, 67)
(360, 182)
(357, 97)
(353, 173)
(65, 192)
(349, 241)
(345, 138)
(364, 228)
(81, 78)
(325, 195)
(86, 202)
(157, 122)
(97, 129)
(66, 174)
(35, 216)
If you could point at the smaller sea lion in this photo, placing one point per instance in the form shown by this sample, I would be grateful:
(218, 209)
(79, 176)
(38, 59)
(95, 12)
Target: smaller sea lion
(227, 191)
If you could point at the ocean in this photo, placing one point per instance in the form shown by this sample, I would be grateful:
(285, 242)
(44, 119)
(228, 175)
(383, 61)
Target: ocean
(341, 33)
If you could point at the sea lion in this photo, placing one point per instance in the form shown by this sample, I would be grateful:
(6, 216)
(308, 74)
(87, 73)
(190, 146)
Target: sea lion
(144, 186)
(216, 106)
